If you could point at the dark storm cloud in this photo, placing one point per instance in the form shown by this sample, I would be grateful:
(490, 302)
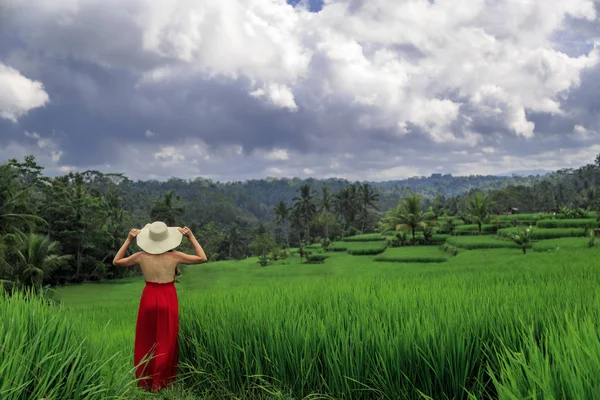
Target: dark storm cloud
(96, 71)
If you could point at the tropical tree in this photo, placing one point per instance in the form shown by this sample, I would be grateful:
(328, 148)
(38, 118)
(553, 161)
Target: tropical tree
(345, 205)
(13, 203)
(305, 208)
(325, 205)
(164, 210)
(38, 257)
(478, 210)
(282, 216)
(367, 199)
(235, 241)
(409, 213)
(522, 238)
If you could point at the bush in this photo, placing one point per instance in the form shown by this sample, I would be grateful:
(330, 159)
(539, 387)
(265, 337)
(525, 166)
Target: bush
(543, 233)
(317, 258)
(412, 255)
(567, 223)
(366, 249)
(369, 237)
(447, 248)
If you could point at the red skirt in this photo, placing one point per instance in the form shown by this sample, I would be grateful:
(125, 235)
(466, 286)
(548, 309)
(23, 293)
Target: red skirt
(156, 349)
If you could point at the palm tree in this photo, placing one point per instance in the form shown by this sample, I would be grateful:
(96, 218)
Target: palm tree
(164, 210)
(13, 202)
(282, 216)
(235, 240)
(37, 258)
(325, 205)
(522, 238)
(409, 213)
(368, 199)
(344, 204)
(478, 210)
(305, 207)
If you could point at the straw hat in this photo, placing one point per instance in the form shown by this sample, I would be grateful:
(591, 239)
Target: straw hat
(158, 238)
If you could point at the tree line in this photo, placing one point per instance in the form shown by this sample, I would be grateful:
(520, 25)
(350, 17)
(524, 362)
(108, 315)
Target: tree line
(68, 228)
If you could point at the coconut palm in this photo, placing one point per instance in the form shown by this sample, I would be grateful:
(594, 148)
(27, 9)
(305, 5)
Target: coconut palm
(12, 203)
(522, 238)
(165, 211)
(478, 210)
(325, 205)
(409, 213)
(235, 240)
(305, 208)
(368, 199)
(37, 258)
(282, 216)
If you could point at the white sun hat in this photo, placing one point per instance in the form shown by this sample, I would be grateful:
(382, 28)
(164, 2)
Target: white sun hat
(158, 238)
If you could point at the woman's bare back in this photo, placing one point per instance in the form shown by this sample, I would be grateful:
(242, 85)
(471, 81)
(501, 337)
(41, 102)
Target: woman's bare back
(159, 268)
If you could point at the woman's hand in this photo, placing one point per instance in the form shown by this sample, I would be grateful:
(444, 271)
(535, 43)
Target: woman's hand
(185, 231)
(132, 234)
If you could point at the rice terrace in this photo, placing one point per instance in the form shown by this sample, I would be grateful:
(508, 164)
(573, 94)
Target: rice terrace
(429, 301)
(299, 200)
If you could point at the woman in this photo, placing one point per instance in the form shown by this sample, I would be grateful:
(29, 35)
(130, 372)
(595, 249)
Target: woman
(156, 350)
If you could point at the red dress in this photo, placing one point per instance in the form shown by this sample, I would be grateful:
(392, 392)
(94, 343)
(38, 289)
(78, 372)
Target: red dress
(156, 349)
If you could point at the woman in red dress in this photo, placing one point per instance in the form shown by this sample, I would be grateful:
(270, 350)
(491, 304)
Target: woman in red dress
(156, 349)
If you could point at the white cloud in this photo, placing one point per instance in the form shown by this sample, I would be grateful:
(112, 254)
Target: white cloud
(308, 171)
(169, 155)
(582, 133)
(19, 94)
(277, 155)
(279, 95)
(380, 68)
(49, 146)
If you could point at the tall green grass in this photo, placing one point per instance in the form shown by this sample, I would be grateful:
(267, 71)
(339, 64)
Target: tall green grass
(567, 223)
(439, 331)
(579, 243)
(46, 354)
(545, 233)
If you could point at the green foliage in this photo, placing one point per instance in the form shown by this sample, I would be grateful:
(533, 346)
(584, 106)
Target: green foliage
(262, 246)
(478, 210)
(523, 238)
(591, 239)
(316, 258)
(572, 243)
(409, 213)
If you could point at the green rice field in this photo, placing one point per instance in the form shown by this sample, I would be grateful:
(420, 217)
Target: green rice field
(488, 323)
(547, 233)
(480, 242)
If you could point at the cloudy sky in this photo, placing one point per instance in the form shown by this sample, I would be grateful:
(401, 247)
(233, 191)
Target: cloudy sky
(240, 89)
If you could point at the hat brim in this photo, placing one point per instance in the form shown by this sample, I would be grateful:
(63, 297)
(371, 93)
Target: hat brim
(173, 240)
